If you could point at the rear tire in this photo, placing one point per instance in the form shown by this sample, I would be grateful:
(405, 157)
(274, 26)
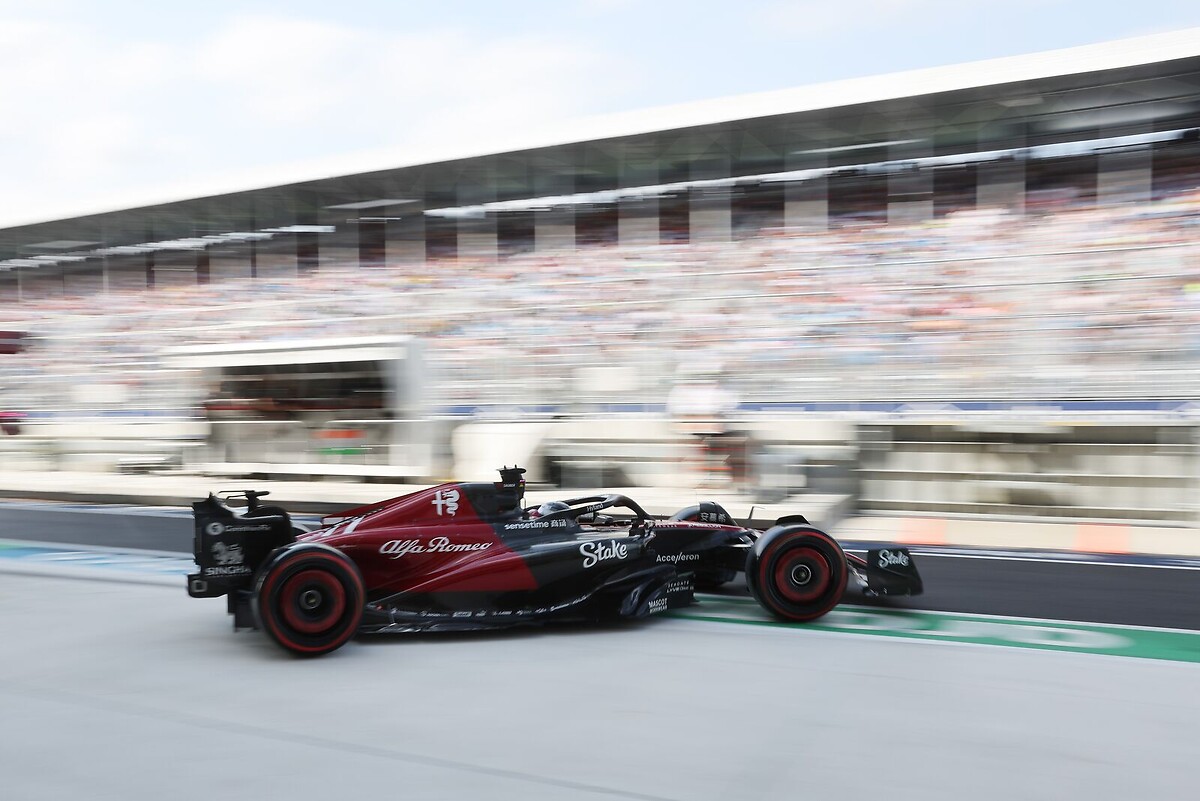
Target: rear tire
(799, 574)
(310, 599)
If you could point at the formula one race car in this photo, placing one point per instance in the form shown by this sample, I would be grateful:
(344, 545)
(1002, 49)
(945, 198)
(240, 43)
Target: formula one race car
(469, 556)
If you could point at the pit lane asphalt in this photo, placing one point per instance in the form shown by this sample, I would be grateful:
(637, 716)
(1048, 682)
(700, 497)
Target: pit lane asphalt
(1120, 590)
(131, 692)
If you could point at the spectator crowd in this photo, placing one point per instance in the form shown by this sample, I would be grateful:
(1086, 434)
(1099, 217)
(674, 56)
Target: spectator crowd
(1053, 303)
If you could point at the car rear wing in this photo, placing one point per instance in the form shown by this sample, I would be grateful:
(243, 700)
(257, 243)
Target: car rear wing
(228, 546)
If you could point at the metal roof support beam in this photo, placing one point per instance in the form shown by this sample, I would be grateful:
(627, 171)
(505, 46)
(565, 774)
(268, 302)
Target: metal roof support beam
(554, 230)
(637, 217)
(1125, 174)
(910, 187)
(805, 202)
(406, 239)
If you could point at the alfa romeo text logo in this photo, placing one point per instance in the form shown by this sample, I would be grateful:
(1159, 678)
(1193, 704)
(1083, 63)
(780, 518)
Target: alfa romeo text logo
(398, 548)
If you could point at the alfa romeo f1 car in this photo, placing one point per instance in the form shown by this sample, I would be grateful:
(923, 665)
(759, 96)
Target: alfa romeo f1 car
(470, 556)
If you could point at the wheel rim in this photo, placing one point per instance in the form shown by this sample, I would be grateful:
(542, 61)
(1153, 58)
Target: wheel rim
(312, 601)
(802, 575)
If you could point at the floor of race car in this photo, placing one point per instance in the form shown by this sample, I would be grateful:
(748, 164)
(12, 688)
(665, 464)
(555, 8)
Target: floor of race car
(127, 692)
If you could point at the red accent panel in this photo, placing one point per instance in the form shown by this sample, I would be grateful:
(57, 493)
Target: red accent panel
(429, 559)
(502, 571)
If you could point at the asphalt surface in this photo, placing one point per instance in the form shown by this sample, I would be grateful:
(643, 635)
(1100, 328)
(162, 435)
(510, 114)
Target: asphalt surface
(149, 694)
(131, 692)
(115, 526)
(1047, 587)
(1104, 591)
(1121, 590)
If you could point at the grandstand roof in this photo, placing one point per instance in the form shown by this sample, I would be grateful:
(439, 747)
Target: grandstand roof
(1034, 85)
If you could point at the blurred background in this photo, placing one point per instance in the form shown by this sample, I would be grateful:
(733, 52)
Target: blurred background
(966, 290)
(924, 271)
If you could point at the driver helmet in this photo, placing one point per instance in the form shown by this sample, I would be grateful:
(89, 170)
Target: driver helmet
(548, 508)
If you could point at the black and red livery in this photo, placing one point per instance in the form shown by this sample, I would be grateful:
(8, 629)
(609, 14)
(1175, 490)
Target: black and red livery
(470, 556)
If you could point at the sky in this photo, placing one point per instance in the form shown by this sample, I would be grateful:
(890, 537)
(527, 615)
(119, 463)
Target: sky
(105, 104)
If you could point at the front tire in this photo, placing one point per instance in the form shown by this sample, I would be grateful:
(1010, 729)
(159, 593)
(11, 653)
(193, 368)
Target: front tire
(797, 574)
(310, 599)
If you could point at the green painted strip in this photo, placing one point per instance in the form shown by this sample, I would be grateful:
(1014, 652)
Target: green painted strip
(1049, 635)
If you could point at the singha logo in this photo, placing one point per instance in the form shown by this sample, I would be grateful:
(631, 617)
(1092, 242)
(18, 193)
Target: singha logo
(227, 554)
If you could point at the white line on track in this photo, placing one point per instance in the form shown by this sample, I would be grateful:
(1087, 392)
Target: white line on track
(102, 509)
(100, 549)
(943, 613)
(1054, 560)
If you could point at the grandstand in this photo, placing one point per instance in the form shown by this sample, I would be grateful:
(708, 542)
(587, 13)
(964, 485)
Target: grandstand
(1081, 303)
(1017, 231)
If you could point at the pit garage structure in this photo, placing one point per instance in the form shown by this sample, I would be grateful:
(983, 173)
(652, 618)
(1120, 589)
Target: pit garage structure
(349, 406)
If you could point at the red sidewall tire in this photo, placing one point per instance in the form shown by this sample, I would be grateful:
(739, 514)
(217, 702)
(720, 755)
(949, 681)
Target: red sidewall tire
(310, 599)
(322, 589)
(799, 575)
